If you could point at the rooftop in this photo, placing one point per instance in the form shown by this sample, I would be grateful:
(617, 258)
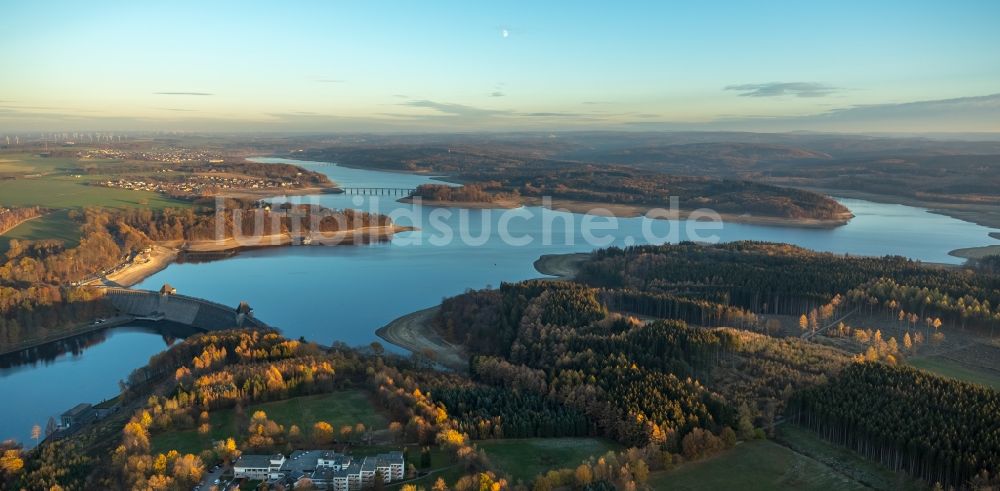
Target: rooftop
(255, 461)
(78, 409)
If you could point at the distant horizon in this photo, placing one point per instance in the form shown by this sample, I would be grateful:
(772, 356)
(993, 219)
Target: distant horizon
(67, 134)
(227, 66)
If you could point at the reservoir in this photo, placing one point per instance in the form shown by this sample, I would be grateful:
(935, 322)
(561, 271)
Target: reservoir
(345, 293)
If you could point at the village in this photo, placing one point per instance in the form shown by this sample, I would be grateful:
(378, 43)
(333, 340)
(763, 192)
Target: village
(197, 185)
(166, 156)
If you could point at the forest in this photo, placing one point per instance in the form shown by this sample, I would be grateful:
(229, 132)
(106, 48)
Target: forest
(626, 186)
(469, 193)
(937, 429)
(768, 278)
(578, 343)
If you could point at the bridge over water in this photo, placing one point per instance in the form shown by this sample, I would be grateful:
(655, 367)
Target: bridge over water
(379, 191)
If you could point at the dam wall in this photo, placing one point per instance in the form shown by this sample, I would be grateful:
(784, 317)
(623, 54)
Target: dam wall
(195, 312)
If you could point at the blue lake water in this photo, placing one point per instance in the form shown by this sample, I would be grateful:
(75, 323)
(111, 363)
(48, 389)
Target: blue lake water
(345, 293)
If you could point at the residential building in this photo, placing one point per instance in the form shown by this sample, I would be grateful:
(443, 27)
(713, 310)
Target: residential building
(340, 472)
(259, 467)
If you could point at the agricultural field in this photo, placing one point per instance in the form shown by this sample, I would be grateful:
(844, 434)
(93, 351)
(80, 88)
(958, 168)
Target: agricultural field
(55, 225)
(754, 465)
(797, 459)
(523, 459)
(952, 369)
(59, 191)
(56, 183)
(338, 408)
(842, 460)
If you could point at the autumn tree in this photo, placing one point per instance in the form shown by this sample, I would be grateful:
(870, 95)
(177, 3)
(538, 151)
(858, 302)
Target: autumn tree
(11, 462)
(583, 475)
(322, 433)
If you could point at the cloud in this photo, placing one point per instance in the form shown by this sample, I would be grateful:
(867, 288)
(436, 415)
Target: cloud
(182, 93)
(455, 109)
(979, 114)
(497, 93)
(553, 115)
(962, 114)
(778, 89)
(331, 81)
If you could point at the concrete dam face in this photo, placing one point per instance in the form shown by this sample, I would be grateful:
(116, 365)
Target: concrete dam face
(195, 312)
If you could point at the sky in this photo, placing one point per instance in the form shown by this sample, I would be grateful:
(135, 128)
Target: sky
(889, 66)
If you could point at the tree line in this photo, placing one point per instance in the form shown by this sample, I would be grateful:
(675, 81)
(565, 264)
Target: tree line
(769, 278)
(936, 429)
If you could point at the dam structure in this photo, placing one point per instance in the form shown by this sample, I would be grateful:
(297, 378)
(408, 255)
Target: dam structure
(150, 308)
(166, 305)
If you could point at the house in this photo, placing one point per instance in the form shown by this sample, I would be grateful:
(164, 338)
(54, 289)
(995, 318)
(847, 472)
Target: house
(81, 413)
(107, 408)
(258, 467)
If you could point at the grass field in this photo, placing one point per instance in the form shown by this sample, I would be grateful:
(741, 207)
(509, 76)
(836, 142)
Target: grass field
(951, 369)
(754, 465)
(843, 460)
(56, 183)
(526, 458)
(797, 460)
(338, 408)
(56, 225)
(73, 192)
(190, 441)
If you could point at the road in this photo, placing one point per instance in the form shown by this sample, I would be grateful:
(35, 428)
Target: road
(211, 476)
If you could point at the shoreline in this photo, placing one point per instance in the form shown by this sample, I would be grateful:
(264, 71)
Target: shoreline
(634, 211)
(414, 333)
(286, 238)
(972, 253)
(563, 266)
(164, 254)
(472, 205)
(617, 210)
(978, 252)
(281, 192)
(984, 215)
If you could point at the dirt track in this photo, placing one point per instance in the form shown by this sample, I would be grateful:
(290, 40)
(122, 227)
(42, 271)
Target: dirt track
(414, 332)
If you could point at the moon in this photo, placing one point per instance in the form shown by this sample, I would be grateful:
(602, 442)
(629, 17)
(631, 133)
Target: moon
(505, 33)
